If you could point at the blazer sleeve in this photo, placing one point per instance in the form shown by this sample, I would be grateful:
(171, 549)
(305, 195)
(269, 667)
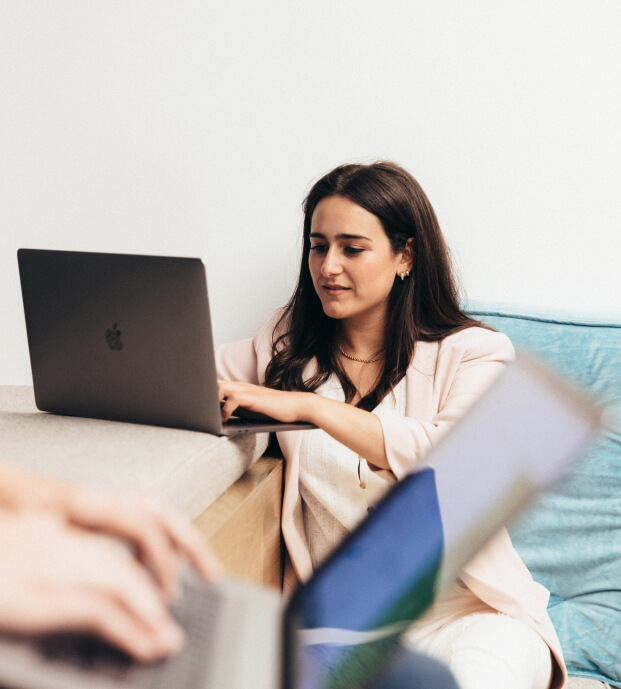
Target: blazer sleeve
(237, 361)
(247, 360)
(442, 384)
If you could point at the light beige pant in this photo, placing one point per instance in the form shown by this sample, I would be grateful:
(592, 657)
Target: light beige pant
(491, 651)
(483, 648)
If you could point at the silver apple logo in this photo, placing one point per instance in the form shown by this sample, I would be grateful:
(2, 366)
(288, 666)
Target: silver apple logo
(113, 338)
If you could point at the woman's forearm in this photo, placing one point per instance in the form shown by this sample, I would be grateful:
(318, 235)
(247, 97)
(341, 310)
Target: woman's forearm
(359, 430)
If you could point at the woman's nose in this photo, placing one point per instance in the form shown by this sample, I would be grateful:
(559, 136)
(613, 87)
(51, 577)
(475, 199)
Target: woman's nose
(331, 263)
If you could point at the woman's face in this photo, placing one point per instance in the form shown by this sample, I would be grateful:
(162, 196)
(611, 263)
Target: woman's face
(351, 262)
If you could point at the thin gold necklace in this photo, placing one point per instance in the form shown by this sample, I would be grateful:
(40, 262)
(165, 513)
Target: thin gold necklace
(354, 358)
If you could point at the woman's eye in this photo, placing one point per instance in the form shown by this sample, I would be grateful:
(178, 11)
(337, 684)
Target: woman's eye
(318, 248)
(353, 250)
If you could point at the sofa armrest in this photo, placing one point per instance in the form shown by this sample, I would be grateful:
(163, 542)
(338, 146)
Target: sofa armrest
(186, 470)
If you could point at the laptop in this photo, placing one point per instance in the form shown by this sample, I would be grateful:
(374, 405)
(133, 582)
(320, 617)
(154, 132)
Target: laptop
(341, 627)
(127, 338)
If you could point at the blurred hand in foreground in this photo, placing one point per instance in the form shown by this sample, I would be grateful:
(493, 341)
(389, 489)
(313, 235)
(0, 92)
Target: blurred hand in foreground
(73, 558)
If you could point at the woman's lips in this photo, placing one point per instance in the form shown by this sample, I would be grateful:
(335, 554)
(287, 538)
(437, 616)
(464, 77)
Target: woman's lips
(335, 290)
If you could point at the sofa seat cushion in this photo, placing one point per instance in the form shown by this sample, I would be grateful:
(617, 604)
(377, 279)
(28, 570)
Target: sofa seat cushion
(570, 538)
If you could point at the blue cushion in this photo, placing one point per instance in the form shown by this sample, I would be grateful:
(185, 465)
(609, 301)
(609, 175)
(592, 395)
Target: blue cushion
(571, 537)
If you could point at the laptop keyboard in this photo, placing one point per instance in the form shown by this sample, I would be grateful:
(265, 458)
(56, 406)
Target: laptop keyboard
(195, 612)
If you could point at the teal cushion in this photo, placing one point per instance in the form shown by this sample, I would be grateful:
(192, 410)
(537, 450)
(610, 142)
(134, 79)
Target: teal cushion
(571, 537)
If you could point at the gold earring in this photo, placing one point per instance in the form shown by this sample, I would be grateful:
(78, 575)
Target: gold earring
(403, 275)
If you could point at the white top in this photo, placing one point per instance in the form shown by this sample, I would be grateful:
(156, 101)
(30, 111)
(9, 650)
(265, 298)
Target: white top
(337, 487)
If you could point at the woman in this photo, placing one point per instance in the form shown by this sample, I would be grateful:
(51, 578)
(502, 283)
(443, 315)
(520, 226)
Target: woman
(374, 349)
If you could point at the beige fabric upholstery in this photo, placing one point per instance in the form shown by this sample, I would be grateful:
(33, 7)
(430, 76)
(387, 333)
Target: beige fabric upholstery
(184, 469)
(581, 683)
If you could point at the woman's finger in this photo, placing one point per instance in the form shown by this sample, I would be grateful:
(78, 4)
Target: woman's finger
(162, 539)
(102, 613)
(228, 408)
(60, 578)
(190, 543)
(112, 622)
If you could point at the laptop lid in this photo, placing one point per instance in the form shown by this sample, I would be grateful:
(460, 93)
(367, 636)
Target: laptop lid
(521, 436)
(124, 337)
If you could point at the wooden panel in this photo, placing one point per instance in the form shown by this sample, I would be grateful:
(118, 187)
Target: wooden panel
(243, 525)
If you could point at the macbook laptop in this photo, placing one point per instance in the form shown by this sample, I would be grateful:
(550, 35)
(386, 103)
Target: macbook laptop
(341, 627)
(127, 338)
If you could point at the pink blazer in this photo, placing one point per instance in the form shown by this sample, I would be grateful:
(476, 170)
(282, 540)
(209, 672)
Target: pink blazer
(442, 381)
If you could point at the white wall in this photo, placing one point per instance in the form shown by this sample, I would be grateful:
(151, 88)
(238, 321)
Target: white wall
(195, 128)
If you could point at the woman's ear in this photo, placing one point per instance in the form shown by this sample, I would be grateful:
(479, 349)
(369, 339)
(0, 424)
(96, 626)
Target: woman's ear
(407, 257)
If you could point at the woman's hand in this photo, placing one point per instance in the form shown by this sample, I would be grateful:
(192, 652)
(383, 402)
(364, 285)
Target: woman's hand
(288, 407)
(160, 539)
(57, 577)
(359, 430)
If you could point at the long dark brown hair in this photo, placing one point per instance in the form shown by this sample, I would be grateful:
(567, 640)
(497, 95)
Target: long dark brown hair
(425, 306)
